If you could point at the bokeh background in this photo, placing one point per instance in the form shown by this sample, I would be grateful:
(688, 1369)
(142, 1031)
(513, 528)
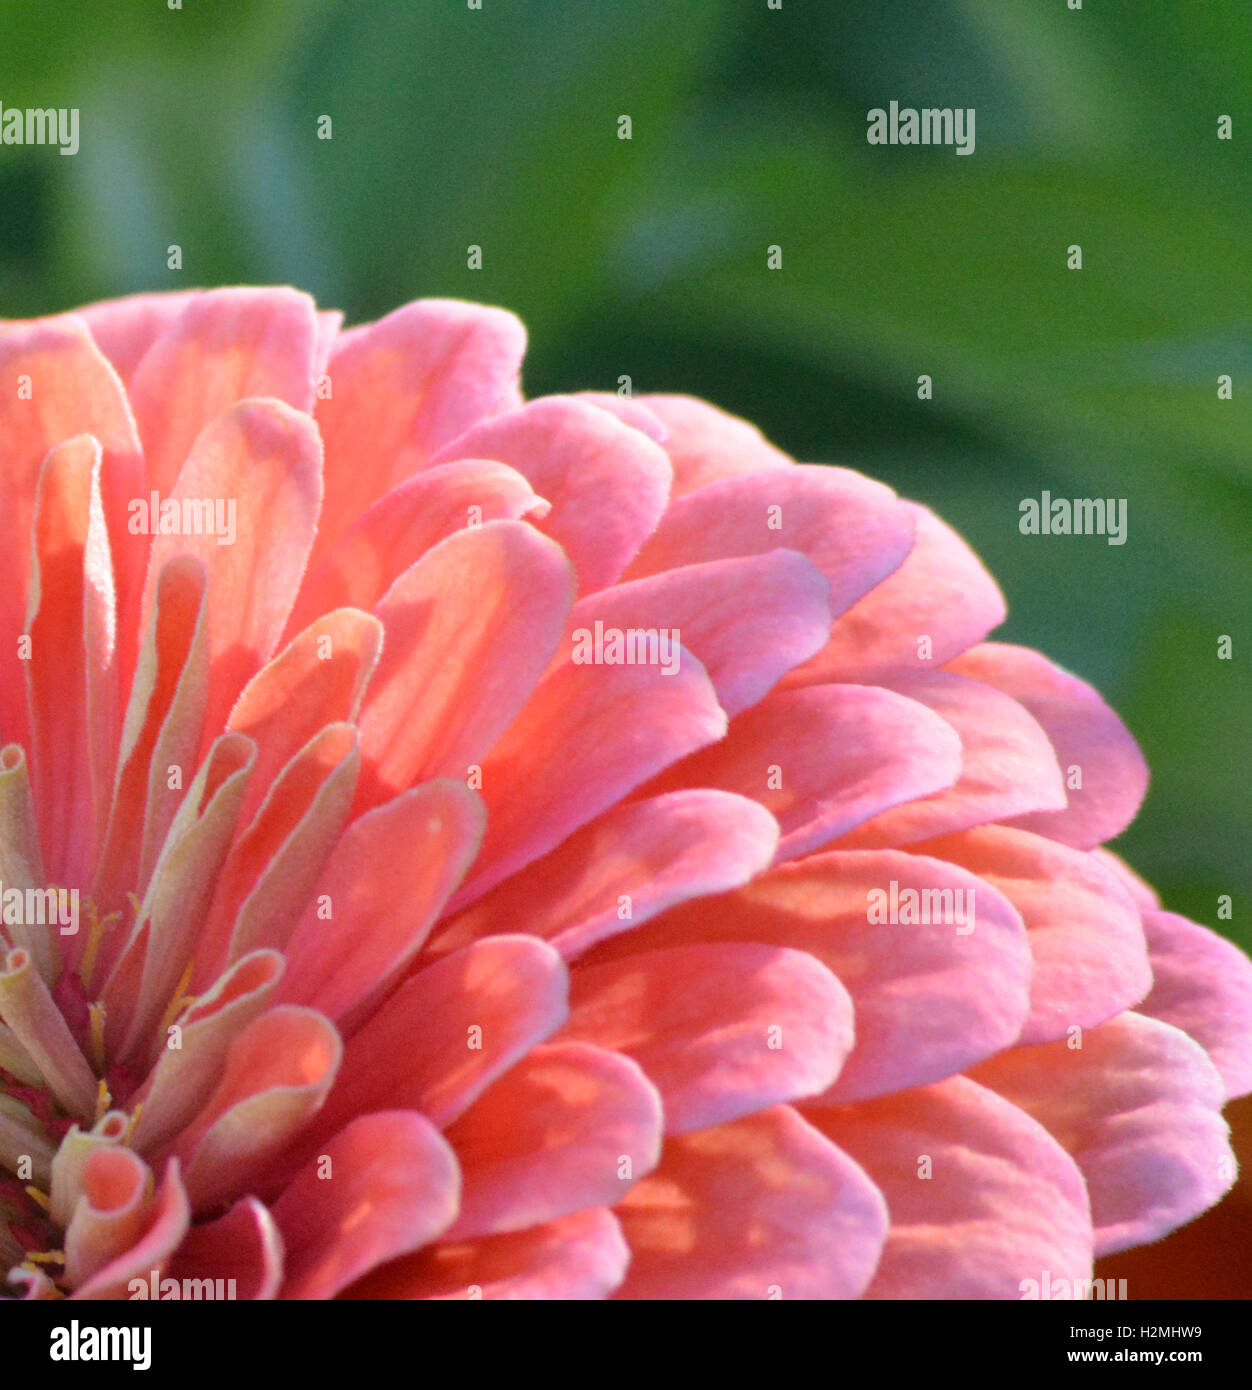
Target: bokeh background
(498, 128)
(648, 258)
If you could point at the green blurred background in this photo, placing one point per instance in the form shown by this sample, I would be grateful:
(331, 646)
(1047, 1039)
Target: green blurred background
(499, 127)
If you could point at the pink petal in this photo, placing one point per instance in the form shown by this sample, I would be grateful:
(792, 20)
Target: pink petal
(1007, 764)
(1138, 1106)
(581, 1257)
(569, 1127)
(124, 329)
(385, 1185)
(854, 530)
(624, 868)
(452, 1029)
(316, 680)
(468, 631)
(748, 621)
(1090, 957)
(164, 721)
(55, 384)
(272, 869)
(825, 759)
(266, 458)
(384, 884)
(982, 1198)
(928, 999)
(1091, 743)
(607, 483)
(588, 736)
(721, 1030)
(763, 1208)
(1202, 983)
(403, 388)
(706, 445)
(628, 411)
(71, 674)
(169, 1219)
(940, 593)
(359, 568)
(278, 1072)
(225, 346)
(242, 1248)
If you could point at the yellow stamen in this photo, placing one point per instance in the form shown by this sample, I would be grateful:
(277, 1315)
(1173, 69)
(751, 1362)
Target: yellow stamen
(39, 1197)
(95, 935)
(96, 1013)
(181, 1000)
(134, 1123)
(104, 1101)
(46, 1257)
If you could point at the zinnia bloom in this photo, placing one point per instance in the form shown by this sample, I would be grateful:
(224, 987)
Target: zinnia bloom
(440, 936)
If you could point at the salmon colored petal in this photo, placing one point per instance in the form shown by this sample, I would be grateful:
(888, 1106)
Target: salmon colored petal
(628, 410)
(1007, 764)
(1105, 773)
(624, 868)
(706, 445)
(1091, 961)
(1138, 1107)
(55, 385)
(587, 737)
(384, 884)
(242, 1249)
(855, 531)
(163, 939)
(72, 676)
(763, 1208)
(169, 1219)
(930, 997)
(468, 630)
(124, 329)
(982, 1198)
(359, 568)
(226, 345)
(272, 869)
(1145, 896)
(266, 459)
(403, 388)
(318, 679)
(748, 621)
(453, 1029)
(385, 1185)
(194, 1057)
(721, 1030)
(277, 1074)
(111, 1214)
(1202, 983)
(937, 604)
(162, 730)
(579, 1257)
(607, 483)
(826, 759)
(569, 1127)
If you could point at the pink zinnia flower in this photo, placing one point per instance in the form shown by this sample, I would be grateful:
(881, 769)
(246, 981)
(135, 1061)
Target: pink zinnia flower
(442, 937)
